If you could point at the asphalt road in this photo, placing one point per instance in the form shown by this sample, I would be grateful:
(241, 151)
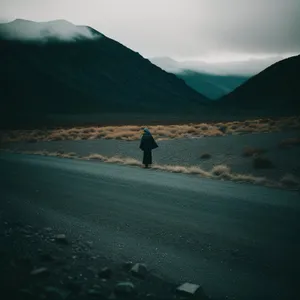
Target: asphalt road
(237, 240)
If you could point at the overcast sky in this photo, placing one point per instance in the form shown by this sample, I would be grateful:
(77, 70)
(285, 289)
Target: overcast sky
(211, 30)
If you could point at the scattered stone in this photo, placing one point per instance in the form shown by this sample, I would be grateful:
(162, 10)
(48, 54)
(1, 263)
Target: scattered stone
(190, 289)
(124, 289)
(139, 270)
(61, 238)
(48, 229)
(39, 271)
(105, 273)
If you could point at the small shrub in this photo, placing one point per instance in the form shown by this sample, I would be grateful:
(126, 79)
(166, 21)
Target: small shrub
(220, 170)
(205, 156)
(250, 151)
(96, 156)
(264, 121)
(262, 163)
(88, 130)
(72, 154)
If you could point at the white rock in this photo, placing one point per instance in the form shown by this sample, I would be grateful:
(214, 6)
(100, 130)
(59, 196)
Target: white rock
(61, 238)
(39, 271)
(124, 288)
(188, 288)
(139, 270)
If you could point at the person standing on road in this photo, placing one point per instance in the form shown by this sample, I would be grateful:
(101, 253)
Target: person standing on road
(147, 145)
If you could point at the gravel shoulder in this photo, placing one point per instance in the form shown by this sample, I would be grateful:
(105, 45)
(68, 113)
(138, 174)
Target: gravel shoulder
(226, 150)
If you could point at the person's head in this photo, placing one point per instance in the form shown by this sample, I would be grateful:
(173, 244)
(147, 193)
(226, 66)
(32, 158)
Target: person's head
(146, 131)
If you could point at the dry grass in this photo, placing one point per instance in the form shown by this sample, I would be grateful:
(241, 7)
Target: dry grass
(220, 170)
(114, 159)
(159, 131)
(183, 169)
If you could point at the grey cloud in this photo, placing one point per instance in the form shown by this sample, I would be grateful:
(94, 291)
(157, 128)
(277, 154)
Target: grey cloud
(183, 29)
(248, 67)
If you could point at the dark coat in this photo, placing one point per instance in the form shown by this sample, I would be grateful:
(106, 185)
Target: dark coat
(147, 145)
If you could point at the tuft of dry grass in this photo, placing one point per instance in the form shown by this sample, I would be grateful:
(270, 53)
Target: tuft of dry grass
(250, 151)
(114, 159)
(95, 157)
(130, 132)
(183, 169)
(220, 170)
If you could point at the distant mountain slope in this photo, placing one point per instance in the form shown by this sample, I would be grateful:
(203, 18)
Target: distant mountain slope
(212, 86)
(75, 69)
(275, 88)
(206, 82)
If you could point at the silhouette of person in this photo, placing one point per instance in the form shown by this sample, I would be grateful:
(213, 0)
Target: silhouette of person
(147, 145)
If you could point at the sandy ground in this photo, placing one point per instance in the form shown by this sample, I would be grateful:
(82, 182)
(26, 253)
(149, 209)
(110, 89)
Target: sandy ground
(226, 150)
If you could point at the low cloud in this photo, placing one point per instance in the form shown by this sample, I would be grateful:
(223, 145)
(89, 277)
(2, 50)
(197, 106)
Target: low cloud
(246, 67)
(45, 31)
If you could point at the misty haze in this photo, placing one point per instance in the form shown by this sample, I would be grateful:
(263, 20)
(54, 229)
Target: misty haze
(149, 149)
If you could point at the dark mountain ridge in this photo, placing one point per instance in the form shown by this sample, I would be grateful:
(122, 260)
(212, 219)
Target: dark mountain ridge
(87, 76)
(276, 89)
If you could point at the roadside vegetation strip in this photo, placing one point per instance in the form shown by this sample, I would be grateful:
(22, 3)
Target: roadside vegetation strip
(219, 172)
(131, 133)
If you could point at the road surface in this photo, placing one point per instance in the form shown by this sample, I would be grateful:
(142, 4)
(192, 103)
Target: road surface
(237, 240)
